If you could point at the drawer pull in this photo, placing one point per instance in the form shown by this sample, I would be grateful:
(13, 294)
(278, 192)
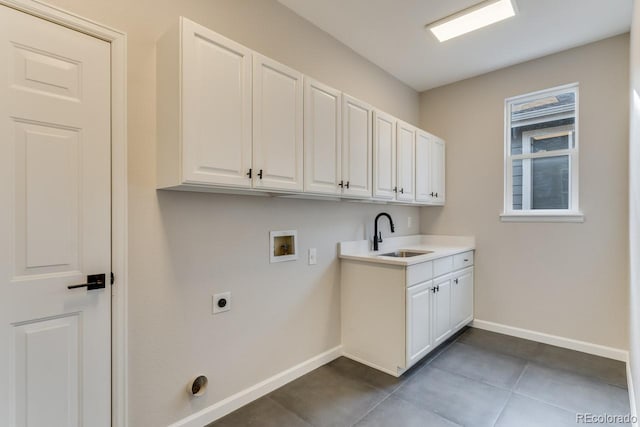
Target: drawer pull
(466, 260)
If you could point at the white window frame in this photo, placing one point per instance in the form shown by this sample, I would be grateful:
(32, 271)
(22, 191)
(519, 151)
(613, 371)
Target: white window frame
(573, 213)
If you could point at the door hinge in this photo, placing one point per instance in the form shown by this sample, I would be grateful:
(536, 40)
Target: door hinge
(113, 278)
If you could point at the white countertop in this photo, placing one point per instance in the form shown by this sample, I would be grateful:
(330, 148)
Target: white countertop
(441, 246)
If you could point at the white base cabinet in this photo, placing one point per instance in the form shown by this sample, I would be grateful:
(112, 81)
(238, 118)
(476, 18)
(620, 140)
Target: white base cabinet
(393, 316)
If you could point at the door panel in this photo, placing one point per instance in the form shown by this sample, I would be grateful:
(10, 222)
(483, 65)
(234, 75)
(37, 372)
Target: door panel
(437, 163)
(384, 156)
(442, 310)
(356, 148)
(418, 321)
(322, 138)
(277, 125)
(406, 163)
(423, 168)
(216, 108)
(462, 298)
(55, 211)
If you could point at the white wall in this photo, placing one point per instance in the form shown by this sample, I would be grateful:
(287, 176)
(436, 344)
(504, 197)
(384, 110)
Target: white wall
(561, 279)
(634, 204)
(186, 246)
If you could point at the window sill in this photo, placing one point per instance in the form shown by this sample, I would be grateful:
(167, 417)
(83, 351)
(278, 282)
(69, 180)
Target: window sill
(542, 217)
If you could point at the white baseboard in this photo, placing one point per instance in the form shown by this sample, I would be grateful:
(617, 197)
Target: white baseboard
(371, 365)
(583, 346)
(231, 403)
(632, 396)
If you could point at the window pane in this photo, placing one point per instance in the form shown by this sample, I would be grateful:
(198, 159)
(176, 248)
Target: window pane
(550, 183)
(517, 185)
(549, 142)
(543, 124)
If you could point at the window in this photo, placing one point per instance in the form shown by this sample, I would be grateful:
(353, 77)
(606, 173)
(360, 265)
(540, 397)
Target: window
(541, 156)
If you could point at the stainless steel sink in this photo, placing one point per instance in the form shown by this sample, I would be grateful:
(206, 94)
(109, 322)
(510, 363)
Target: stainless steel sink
(406, 253)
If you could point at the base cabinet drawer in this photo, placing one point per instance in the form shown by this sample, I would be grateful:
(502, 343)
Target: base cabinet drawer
(442, 266)
(463, 260)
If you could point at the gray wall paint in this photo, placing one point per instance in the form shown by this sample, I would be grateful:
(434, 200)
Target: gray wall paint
(183, 247)
(634, 203)
(562, 279)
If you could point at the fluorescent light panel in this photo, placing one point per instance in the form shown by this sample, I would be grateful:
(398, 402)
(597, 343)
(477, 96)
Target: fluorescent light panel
(479, 16)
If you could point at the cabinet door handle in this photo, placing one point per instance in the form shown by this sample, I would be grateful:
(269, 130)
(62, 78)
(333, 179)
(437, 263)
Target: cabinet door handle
(431, 194)
(402, 190)
(436, 195)
(341, 185)
(260, 174)
(455, 281)
(249, 174)
(395, 189)
(347, 185)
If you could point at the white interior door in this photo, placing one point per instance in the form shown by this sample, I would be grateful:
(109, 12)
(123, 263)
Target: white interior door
(55, 348)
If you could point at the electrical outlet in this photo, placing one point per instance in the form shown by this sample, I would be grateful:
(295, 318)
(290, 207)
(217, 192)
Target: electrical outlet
(221, 302)
(313, 259)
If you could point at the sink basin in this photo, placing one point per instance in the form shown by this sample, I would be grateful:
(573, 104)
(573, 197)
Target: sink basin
(406, 253)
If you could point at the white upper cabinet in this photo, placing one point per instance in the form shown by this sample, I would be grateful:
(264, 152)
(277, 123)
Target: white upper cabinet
(430, 168)
(423, 168)
(384, 156)
(322, 139)
(437, 165)
(277, 126)
(233, 121)
(357, 147)
(204, 108)
(406, 142)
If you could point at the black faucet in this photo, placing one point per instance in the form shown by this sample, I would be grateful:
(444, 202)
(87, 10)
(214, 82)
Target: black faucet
(377, 237)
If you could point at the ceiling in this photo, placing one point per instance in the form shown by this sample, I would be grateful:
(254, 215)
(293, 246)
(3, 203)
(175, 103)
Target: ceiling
(391, 33)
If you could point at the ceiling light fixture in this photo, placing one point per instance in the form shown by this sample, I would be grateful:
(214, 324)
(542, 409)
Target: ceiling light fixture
(467, 20)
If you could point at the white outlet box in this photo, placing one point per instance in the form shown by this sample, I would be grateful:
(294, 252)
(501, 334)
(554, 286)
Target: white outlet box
(313, 259)
(221, 302)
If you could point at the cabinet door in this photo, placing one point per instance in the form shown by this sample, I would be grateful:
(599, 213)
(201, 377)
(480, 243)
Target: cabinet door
(406, 141)
(418, 321)
(356, 148)
(423, 167)
(277, 125)
(322, 138)
(384, 156)
(437, 163)
(462, 298)
(216, 108)
(441, 310)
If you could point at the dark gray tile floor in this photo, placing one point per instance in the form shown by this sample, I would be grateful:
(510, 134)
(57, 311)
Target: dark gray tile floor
(477, 379)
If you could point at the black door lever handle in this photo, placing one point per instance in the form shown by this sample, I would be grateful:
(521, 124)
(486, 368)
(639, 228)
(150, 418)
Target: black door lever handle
(94, 281)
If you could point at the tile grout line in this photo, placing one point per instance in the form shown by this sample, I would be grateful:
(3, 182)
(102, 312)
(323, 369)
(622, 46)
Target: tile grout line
(289, 410)
(511, 393)
(506, 402)
(370, 410)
